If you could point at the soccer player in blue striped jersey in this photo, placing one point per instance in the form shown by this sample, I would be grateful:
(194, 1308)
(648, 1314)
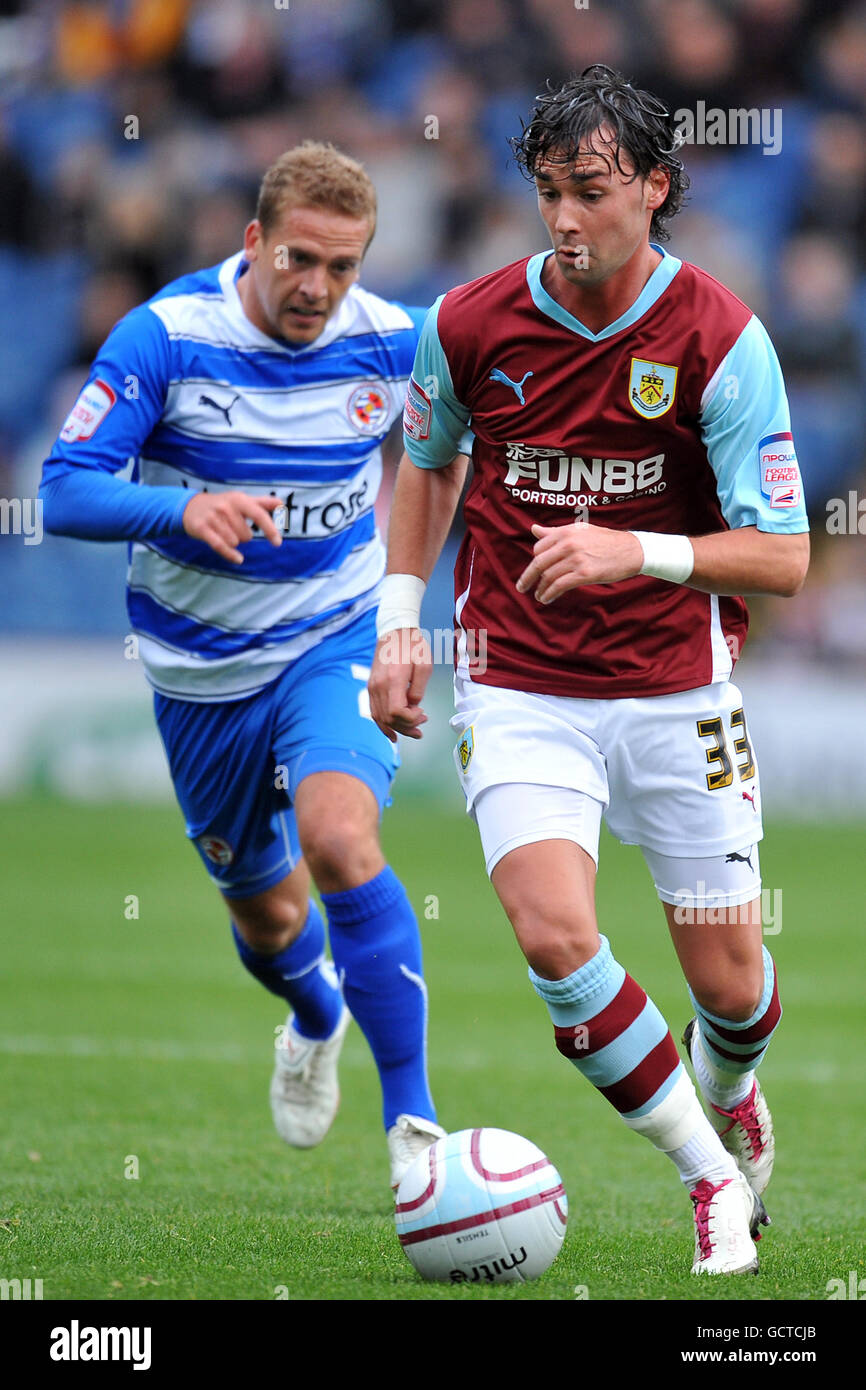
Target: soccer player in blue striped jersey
(254, 397)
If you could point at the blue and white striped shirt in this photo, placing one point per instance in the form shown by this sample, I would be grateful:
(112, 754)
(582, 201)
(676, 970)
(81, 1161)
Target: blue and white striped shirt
(199, 398)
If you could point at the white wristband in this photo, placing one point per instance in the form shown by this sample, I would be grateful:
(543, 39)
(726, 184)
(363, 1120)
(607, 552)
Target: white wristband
(666, 557)
(400, 602)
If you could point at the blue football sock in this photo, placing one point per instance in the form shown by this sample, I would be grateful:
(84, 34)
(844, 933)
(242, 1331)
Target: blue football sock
(377, 952)
(300, 975)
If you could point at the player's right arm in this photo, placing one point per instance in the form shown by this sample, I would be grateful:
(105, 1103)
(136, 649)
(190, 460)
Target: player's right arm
(119, 406)
(429, 483)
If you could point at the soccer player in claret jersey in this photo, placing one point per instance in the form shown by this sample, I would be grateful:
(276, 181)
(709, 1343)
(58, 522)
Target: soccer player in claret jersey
(634, 474)
(254, 397)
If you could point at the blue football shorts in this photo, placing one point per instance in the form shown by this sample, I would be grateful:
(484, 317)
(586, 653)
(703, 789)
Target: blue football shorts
(236, 765)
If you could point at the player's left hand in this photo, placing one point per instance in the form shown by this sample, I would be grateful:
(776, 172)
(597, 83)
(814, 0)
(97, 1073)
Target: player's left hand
(565, 557)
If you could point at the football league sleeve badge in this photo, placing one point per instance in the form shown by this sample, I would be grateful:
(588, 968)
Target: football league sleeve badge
(781, 483)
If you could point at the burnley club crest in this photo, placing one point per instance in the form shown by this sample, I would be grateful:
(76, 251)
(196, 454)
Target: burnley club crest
(651, 387)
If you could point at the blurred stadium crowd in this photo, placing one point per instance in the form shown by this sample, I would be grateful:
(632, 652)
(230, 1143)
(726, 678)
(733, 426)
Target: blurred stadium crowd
(133, 134)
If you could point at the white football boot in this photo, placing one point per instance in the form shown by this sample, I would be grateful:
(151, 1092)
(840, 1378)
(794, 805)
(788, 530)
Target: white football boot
(407, 1138)
(727, 1217)
(746, 1131)
(304, 1090)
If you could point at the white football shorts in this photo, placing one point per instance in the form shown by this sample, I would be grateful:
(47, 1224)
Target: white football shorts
(675, 774)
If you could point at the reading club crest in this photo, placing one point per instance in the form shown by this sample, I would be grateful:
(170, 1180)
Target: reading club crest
(367, 409)
(651, 387)
(218, 850)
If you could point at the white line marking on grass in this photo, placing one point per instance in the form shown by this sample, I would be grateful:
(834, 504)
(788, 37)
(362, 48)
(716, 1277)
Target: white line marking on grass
(817, 1073)
(148, 1049)
(142, 1049)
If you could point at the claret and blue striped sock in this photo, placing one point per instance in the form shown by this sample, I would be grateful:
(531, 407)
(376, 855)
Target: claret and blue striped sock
(728, 1051)
(613, 1033)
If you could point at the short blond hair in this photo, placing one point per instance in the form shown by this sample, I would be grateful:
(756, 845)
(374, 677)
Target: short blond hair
(318, 175)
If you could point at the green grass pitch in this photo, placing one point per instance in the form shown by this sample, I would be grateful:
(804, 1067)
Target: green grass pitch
(136, 1045)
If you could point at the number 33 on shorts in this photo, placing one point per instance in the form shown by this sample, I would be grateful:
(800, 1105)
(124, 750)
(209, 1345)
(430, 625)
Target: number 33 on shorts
(722, 775)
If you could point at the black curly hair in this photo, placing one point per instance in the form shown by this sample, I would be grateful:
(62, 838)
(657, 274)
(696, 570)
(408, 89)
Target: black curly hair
(570, 115)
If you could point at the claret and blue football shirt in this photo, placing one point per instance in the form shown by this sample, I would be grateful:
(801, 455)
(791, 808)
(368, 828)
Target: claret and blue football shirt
(672, 419)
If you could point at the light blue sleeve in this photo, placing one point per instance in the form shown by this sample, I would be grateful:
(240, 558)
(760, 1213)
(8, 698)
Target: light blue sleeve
(416, 314)
(434, 420)
(746, 428)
